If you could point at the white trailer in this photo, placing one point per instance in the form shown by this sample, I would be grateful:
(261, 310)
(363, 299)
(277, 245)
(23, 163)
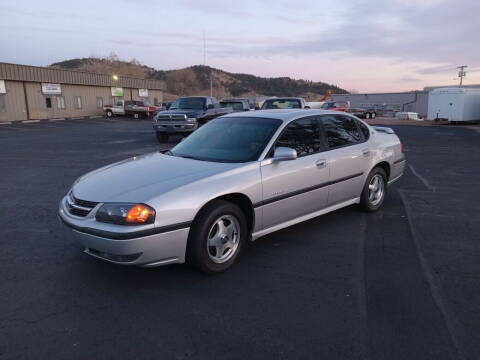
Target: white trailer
(454, 104)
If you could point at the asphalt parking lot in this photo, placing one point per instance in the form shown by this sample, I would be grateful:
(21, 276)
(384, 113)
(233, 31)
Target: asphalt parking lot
(402, 283)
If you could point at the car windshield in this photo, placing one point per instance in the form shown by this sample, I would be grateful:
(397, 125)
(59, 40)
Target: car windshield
(218, 140)
(193, 103)
(281, 104)
(235, 105)
(146, 103)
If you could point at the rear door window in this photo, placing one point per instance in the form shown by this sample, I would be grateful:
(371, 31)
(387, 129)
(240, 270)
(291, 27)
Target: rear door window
(340, 131)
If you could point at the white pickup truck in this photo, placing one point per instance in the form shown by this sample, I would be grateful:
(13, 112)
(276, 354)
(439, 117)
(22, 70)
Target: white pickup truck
(137, 108)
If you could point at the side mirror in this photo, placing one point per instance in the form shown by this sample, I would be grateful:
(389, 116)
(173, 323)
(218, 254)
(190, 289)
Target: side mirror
(284, 153)
(210, 106)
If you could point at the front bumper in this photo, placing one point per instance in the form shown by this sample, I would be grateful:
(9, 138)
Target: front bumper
(175, 127)
(146, 247)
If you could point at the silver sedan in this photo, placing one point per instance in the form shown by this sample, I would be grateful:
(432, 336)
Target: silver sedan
(235, 179)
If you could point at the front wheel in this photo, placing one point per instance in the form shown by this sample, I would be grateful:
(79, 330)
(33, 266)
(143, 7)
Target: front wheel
(109, 113)
(136, 116)
(374, 115)
(367, 115)
(374, 190)
(217, 236)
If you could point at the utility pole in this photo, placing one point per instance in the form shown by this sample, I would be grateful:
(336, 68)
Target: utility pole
(204, 50)
(205, 61)
(462, 73)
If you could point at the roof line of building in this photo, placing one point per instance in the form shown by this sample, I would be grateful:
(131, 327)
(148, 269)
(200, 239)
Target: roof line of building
(30, 73)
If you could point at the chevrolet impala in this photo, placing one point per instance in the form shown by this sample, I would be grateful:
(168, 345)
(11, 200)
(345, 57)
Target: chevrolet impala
(237, 178)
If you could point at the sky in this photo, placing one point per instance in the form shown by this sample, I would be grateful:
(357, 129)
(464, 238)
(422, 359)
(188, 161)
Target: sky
(359, 45)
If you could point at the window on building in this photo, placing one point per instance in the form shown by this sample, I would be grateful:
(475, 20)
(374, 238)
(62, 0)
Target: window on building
(61, 102)
(77, 102)
(155, 101)
(2, 103)
(302, 135)
(99, 102)
(48, 102)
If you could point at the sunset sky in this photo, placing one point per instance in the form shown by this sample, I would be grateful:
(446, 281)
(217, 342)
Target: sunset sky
(367, 46)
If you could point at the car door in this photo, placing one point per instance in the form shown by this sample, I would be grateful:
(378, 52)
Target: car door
(297, 187)
(349, 155)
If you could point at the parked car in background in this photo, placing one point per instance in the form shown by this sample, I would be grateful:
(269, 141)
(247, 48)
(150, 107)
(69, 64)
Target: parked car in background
(236, 179)
(336, 105)
(236, 104)
(166, 105)
(284, 103)
(315, 104)
(185, 115)
(135, 108)
(118, 108)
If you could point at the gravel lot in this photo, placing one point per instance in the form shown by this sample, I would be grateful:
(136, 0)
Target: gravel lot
(402, 283)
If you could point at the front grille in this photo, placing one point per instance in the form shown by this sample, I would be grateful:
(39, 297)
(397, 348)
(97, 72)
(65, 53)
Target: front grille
(79, 207)
(171, 118)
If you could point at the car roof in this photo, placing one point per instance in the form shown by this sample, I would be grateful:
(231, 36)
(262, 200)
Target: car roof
(285, 115)
(283, 98)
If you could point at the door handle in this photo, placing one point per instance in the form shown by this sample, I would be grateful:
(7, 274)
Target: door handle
(366, 152)
(321, 163)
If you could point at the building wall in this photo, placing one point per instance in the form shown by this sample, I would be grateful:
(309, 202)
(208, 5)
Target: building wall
(152, 95)
(416, 101)
(14, 99)
(15, 107)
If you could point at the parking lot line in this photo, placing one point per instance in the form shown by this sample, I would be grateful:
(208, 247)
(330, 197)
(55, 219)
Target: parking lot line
(30, 121)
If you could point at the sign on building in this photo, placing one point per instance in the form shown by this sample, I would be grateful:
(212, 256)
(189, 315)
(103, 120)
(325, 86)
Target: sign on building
(51, 89)
(116, 91)
(143, 92)
(3, 89)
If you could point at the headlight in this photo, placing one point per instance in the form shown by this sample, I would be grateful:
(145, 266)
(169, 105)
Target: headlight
(126, 214)
(191, 119)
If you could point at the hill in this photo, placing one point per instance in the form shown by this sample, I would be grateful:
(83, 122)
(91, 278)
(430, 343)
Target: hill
(195, 80)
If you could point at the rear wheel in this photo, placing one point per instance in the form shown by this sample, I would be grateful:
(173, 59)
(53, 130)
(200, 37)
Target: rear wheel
(373, 115)
(374, 190)
(367, 115)
(217, 236)
(136, 116)
(109, 113)
(162, 137)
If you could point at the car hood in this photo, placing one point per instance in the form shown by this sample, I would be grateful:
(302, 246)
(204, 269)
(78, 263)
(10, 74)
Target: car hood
(142, 178)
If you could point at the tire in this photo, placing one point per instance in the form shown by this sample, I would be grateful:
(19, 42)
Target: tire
(162, 137)
(211, 249)
(372, 202)
(367, 115)
(109, 113)
(136, 116)
(373, 115)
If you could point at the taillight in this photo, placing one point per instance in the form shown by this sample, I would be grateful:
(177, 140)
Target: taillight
(401, 146)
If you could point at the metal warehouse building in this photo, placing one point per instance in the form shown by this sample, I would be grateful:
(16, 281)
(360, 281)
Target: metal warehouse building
(411, 101)
(31, 93)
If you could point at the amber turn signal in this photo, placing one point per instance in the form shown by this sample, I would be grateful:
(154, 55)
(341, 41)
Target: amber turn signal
(139, 214)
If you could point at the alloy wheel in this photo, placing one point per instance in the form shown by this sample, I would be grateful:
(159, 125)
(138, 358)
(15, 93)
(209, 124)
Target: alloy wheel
(376, 189)
(223, 239)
